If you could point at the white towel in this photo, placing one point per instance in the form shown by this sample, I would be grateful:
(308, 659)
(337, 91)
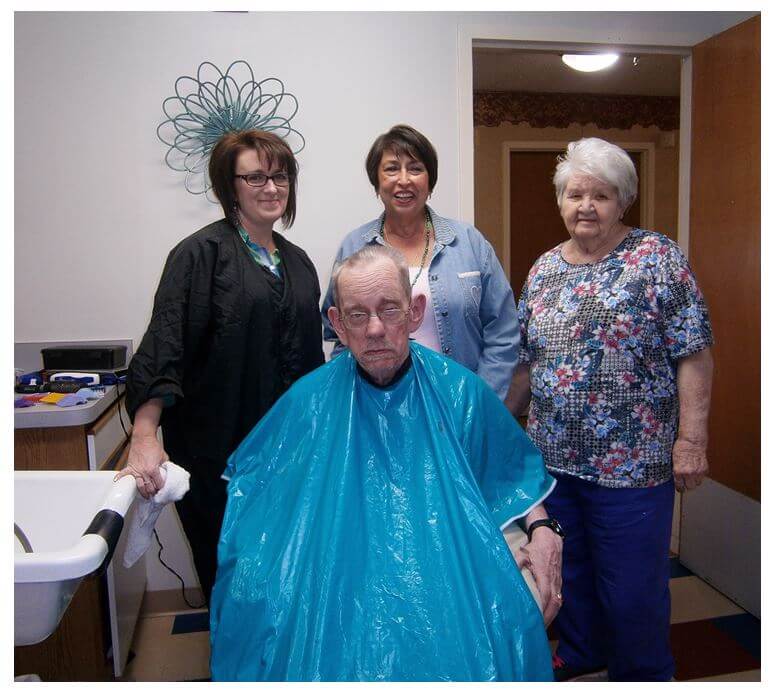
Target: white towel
(175, 486)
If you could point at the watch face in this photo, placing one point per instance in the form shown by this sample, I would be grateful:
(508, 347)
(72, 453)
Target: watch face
(549, 523)
(556, 527)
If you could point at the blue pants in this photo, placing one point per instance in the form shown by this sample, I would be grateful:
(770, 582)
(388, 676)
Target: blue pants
(615, 575)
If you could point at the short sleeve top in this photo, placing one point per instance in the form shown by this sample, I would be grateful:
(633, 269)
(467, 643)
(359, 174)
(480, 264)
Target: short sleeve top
(602, 341)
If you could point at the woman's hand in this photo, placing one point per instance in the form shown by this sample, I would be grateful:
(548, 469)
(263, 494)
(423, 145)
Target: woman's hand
(145, 451)
(689, 453)
(519, 393)
(145, 456)
(689, 464)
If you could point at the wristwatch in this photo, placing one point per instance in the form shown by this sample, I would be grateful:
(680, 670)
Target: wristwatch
(552, 523)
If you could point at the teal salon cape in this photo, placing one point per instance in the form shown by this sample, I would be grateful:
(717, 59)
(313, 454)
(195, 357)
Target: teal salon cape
(362, 536)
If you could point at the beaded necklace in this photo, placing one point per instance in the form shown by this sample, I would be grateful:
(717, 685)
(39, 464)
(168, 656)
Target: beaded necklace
(428, 229)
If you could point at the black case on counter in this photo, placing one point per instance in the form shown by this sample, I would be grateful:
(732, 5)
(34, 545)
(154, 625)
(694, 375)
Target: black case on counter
(84, 357)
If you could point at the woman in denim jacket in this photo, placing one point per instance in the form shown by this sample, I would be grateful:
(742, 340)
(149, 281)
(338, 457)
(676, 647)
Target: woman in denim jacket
(474, 317)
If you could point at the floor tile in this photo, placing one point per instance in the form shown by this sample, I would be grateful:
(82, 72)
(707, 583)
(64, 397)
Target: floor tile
(160, 655)
(744, 676)
(693, 599)
(677, 570)
(744, 629)
(152, 630)
(702, 649)
(599, 676)
(191, 622)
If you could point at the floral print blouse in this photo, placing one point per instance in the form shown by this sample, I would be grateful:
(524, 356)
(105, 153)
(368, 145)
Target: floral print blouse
(602, 341)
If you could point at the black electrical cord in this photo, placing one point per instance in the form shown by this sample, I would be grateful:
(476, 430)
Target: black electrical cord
(169, 568)
(121, 418)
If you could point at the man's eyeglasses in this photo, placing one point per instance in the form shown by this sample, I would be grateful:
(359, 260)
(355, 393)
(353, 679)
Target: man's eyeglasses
(258, 179)
(358, 319)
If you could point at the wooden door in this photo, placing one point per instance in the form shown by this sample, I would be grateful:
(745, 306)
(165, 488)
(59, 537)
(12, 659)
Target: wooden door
(535, 223)
(720, 533)
(725, 242)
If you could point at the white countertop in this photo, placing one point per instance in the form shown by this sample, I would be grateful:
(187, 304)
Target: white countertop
(51, 416)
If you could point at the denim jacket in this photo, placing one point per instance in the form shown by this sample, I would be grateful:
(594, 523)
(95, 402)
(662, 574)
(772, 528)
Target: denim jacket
(472, 301)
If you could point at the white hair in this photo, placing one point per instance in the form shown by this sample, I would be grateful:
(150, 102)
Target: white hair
(368, 254)
(601, 160)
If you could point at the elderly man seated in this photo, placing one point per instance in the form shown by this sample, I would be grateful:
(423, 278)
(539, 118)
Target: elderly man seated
(362, 537)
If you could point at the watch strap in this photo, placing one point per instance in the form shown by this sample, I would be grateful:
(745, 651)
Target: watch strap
(545, 522)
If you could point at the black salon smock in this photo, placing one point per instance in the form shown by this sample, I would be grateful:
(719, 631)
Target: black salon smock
(226, 338)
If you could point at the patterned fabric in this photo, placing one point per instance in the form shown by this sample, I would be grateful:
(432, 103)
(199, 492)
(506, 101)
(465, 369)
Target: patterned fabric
(602, 341)
(554, 110)
(261, 255)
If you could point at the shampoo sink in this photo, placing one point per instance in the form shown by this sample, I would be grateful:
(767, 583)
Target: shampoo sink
(66, 527)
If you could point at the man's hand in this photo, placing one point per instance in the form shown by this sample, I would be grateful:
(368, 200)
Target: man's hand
(689, 463)
(543, 557)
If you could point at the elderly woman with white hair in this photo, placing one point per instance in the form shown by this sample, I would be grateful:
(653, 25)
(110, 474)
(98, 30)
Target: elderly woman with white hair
(616, 366)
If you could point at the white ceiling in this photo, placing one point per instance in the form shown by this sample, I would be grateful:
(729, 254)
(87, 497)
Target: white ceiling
(498, 69)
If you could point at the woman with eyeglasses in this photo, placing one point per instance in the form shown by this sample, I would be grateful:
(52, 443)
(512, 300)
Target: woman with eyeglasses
(471, 313)
(235, 322)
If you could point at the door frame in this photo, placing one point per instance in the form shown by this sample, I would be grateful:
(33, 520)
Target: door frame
(470, 36)
(646, 193)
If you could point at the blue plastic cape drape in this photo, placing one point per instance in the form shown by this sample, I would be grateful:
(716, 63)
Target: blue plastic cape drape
(362, 540)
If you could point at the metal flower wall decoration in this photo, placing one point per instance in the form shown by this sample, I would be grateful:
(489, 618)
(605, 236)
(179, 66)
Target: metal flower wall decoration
(215, 102)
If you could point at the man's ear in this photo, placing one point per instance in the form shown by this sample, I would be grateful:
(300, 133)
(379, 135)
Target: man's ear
(417, 312)
(338, 325)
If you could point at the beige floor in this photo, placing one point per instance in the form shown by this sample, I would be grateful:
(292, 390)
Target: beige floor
(160, 655)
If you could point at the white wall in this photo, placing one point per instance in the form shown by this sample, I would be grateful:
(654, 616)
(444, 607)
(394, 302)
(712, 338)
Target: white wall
(91, 188)
(93, 193)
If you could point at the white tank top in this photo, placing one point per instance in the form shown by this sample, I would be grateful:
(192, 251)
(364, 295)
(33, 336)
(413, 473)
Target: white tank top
(427, 332)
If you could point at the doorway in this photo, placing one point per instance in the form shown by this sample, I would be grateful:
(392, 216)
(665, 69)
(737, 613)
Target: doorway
(531, 216)
(528, 102)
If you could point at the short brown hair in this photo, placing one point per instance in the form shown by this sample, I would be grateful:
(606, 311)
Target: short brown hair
(223, 162)
(402, 140)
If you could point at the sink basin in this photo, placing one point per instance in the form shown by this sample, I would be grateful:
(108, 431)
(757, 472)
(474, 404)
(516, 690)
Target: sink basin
(71, 522)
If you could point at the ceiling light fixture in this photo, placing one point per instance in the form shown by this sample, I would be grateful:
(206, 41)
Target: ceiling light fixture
(589, 62)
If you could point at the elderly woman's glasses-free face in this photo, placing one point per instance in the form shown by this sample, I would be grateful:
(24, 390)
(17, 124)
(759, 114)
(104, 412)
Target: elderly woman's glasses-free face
(358, 319)
(258, 179)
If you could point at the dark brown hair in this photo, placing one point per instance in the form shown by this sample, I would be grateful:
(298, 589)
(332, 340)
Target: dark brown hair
(223, 163)
(402, 140)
